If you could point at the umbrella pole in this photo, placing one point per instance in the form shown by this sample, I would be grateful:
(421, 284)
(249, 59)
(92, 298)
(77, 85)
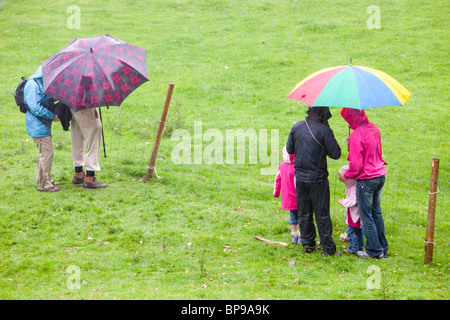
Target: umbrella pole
(348, 146)
(103, 136)
(161, 127)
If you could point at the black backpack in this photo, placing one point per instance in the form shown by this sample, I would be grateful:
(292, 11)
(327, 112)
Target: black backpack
(18, 95)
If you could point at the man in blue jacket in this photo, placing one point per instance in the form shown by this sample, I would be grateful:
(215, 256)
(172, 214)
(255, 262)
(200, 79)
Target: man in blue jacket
(38, 121)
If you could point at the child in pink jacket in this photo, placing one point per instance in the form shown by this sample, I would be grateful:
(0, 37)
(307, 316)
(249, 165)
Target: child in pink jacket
(354, 231)
(285, 184)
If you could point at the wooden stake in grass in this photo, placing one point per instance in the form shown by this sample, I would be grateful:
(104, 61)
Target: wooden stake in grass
(429, 238)
(270, 241)
(161, 127)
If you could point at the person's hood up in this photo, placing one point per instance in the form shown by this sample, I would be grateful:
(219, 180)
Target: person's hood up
(354, 117)
(37, 76)
(288, 158)
(320, 113)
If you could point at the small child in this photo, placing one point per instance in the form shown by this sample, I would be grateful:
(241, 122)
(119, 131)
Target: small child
(354, 231)
(285, 183)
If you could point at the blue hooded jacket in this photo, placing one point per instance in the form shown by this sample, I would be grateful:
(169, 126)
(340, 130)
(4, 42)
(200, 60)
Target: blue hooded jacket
(39, 105)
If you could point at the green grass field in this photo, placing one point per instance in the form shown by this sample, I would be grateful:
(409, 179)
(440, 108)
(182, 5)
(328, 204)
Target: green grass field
(189, 234)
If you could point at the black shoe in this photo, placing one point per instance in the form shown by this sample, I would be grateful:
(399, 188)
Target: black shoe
(309, 249)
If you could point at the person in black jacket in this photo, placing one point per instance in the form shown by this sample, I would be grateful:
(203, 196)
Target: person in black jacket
(312, 140)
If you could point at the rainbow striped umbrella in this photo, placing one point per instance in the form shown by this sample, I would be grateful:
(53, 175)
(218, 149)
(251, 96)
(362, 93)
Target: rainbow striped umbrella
(350, 86)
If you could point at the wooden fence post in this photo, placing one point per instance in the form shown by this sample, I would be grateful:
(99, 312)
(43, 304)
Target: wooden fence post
(161, 127)
(429, 238)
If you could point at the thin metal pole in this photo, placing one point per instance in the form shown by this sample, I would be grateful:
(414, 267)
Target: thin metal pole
(103, 136)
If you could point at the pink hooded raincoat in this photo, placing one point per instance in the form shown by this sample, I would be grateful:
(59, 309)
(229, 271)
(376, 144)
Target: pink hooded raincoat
(365, 154)
(352, 215)
(285, 182)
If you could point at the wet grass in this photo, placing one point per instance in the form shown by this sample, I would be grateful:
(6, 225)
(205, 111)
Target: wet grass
(189, 234)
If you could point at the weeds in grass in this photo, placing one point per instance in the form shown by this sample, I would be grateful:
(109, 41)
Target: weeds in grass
(176, 120)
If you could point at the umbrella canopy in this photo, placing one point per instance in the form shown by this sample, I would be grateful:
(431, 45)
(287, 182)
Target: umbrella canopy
(350, 86)
(94, 72)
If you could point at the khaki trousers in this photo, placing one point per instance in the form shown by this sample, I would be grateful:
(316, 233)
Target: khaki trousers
(45, 146)
(86, 130)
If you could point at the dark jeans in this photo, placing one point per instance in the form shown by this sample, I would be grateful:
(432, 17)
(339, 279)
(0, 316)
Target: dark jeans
(355, 238)
(368, 197)
(314, 199)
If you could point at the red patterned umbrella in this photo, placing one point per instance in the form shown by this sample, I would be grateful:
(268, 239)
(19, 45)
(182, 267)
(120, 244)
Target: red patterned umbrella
(94, 72)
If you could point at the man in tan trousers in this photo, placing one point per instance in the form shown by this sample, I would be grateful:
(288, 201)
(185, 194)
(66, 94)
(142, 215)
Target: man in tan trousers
(86, 130)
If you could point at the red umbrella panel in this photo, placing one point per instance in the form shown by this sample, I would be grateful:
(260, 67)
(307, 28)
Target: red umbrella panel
(94, 72)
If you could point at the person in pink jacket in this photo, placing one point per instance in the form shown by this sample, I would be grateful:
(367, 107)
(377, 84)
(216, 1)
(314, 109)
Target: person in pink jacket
(354, 232)
(366, 165)
(285, 184)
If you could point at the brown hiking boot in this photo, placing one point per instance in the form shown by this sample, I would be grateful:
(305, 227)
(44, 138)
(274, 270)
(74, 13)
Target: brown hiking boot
(92, 183)
(78, 178)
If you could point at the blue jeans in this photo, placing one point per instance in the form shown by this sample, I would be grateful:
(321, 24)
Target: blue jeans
(368, 196)
(355, 238)
(293, 217)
